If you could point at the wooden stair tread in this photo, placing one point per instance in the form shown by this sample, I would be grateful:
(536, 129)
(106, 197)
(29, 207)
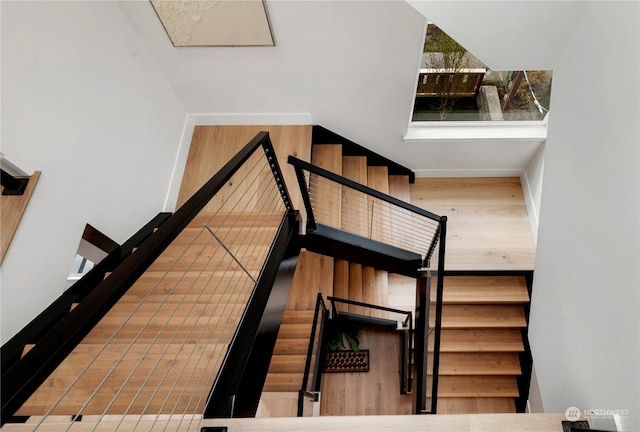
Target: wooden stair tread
(291, 346)
(289, 363)
(485, 405)
(480, 340)
(378, 178)
(327, 156)
(283, 382)
(295, 331)
(355, 288)
(354, 204)
(477, 386)
(483, 290)
(297, 316)
(481, 316)
(479, 363)
(399, 187)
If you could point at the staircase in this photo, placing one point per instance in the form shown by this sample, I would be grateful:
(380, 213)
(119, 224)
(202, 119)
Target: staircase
(159, 348)
(484, 315)
(482, 322)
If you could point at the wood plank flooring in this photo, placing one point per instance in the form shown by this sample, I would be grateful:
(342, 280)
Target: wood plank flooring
(487, 224)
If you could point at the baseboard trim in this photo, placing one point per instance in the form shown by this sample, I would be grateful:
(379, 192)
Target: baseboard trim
(532, 211)
(179, 164)
(250, 119)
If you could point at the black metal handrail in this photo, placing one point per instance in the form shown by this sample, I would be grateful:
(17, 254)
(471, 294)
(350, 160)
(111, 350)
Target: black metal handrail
(310, 390)
(23, 377)
(418, 224)
(406, 214)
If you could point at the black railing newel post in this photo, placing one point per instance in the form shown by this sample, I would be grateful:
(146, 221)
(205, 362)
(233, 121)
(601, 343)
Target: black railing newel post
(438, 318)
(421, 342)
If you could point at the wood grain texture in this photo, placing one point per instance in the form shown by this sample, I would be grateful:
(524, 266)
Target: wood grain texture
(329, 195)
(384, 423)
(213, 146)
(376, 392)
(354, 204)
(487, 224)
(341, 279)
(12, 208)
(313, 275)
(484, 290)
(278, 404)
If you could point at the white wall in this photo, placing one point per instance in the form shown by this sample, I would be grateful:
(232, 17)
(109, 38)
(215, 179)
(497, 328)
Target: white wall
(507, 35)
(84, 102)
(585, 328)
(531, 180)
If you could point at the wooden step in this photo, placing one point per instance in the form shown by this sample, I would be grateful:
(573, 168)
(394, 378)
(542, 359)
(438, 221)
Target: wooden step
(354, 204)
(355, 288)
(295, 331)
(399, 187)
(484, 290)
(313, 275)
(479, 363)
(481, 316)
(484, 405)
(290, 363)
(291, 346)
(283, 382)
(477, 386)
(297, 317)
(368, 285)
(329, 157)
(341, 279)
(480, 340)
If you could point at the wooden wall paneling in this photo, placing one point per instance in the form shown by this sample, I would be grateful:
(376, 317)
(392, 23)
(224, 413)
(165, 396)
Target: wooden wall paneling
(12, 208)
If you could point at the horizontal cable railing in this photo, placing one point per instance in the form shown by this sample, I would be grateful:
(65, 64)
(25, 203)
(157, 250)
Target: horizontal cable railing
(153, 336)
(340, 203)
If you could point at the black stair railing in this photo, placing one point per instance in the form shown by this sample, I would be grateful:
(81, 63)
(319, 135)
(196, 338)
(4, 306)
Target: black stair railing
(398, 319)
(338, 202)
(22, 376)
(311, 378)
(344, 205)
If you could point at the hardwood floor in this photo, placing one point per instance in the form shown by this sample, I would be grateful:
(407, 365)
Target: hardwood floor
(375, 392)
(487, 226)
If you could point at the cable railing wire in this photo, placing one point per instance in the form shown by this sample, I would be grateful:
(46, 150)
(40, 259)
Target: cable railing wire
(163, 353)
(268, 209)
(372, 217)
